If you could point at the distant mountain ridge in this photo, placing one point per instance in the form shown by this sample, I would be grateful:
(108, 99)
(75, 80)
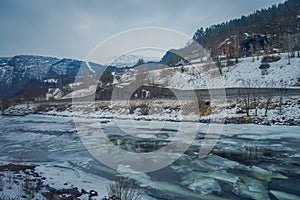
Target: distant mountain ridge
(16, 72)
(41, 72)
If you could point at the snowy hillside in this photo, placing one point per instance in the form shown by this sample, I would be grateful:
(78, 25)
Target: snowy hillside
(279, 74)
(246, 73)
(129, 60)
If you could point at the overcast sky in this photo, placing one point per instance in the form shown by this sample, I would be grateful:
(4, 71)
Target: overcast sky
(71, 28)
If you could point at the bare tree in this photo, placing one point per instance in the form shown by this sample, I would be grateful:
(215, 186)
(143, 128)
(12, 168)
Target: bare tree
(267, 104)
(269, 96)
(124, 189)
(247, 103)
(256, 96)
(282, 91)
(252, 52)
(247, 96)
(219, 65)
(290, 45)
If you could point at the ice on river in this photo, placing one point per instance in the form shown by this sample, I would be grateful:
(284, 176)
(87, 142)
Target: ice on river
(54, 145)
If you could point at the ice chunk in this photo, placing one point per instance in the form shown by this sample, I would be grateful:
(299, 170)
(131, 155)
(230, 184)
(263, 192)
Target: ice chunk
(284, 196)
(221, 162)
(191, 177)
(205, 186)
(254, 185)
(217, 175)
(171, 188)
(279, 176)
(259, 173)
(222, 175)
(241, 189)
(214, 162)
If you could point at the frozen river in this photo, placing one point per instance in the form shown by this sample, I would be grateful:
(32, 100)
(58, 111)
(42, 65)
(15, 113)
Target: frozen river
(247, 162)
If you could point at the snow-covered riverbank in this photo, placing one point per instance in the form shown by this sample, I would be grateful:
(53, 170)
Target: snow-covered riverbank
(287, 113)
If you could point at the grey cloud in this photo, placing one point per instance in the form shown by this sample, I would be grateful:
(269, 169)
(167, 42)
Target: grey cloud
(71, 28)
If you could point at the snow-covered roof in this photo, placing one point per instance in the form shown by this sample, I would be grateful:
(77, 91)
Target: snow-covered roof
(54, 91)
(226, 41)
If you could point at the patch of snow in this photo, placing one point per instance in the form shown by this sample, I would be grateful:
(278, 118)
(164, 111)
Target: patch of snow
(51, 80)
(82, 92)
(129, 60)
(90, 68)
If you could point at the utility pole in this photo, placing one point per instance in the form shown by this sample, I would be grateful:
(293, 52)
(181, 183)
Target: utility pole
(235, 37)
(289, 48)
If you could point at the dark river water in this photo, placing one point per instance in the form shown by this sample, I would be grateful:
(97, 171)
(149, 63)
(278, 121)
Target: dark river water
(247, 161)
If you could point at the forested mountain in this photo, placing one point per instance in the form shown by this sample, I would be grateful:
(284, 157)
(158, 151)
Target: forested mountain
(276, 20)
